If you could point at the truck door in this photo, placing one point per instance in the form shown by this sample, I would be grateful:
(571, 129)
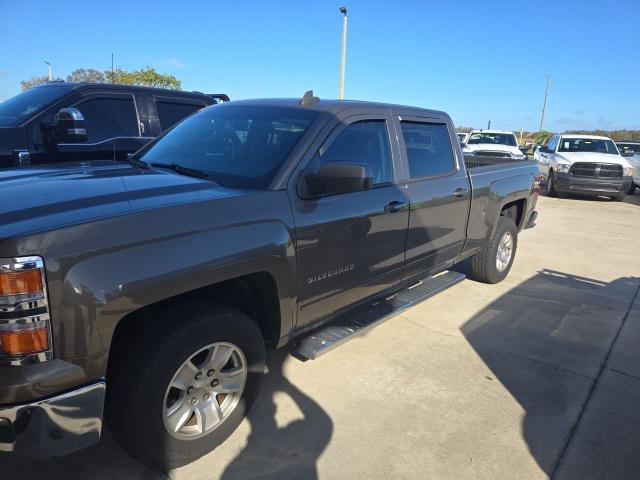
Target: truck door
(351, 246)
(113, 128)
(438, 190)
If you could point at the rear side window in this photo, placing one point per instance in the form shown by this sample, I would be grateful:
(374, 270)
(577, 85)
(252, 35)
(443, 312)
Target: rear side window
(171, 113)
(364, 142)
(109, 117)
(428, 149)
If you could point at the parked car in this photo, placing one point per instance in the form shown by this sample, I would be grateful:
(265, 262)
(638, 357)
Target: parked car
(152, 288)
(631, 150)
(495, 143)
(61, 121)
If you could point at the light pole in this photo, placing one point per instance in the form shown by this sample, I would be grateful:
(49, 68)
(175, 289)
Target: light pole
(49, 65)
(343, 57)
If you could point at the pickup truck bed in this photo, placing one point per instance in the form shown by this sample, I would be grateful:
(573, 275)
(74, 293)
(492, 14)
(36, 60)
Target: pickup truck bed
(251, 223)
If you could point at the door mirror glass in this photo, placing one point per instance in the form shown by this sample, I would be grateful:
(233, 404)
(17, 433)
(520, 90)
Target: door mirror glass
(69, 126)
(339, 177)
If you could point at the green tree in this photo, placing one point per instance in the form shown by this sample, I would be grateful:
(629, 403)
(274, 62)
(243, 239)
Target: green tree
(35, 81)
(148, 77)
(88, 75)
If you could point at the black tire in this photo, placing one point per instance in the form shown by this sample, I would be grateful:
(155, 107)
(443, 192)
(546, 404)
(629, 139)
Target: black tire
(550, 189)
(142, 365)
(483, 264)
(632, 188)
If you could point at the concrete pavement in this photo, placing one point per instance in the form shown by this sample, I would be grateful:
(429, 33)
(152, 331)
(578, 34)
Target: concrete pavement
(537, 377)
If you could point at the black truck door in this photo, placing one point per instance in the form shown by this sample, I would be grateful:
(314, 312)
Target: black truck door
(350, 246)
(113, 128)
(438, 190)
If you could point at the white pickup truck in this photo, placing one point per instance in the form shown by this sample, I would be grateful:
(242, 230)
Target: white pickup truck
(584, 165)
(492, 143)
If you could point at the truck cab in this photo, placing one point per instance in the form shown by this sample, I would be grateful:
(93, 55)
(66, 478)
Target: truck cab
(61, 122)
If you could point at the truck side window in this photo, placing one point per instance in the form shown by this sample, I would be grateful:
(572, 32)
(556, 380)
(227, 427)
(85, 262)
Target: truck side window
(171, 113)
(364, 142)
(109, 117)
(428, 149)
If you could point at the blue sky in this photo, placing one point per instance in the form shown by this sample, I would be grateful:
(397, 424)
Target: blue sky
(479, 60)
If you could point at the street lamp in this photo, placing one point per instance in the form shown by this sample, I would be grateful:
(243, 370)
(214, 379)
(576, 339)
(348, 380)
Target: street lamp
(49, 69)
(343, 58)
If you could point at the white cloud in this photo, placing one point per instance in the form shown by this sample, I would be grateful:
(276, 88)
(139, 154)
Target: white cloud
(172, 62)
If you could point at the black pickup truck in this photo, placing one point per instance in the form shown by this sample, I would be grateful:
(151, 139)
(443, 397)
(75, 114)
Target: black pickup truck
(61, 121)
(149, 290)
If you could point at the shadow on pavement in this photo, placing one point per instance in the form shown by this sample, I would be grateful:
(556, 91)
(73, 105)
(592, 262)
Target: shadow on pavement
(546, 341)
(288, 452)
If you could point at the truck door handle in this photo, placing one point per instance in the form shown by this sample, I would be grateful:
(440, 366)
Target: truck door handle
(460, 192)
(395, 206)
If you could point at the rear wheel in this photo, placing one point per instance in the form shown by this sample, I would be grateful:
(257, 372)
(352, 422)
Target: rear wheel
(551, 185)
(180, 384)
(494, 261)
(632, 188)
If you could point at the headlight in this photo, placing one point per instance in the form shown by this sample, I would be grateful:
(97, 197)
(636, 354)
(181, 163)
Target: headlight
(25, 330)
(627, 171)
(563, 167)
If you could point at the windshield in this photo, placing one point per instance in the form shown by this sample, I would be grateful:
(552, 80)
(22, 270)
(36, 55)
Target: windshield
(494, 138)
(626, 147)
(236, 146)
(17, 109)
(588, 145)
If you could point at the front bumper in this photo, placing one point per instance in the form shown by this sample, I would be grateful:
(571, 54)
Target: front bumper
(55, 426)
(567, 183)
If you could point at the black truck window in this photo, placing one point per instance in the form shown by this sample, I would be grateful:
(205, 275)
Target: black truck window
(428, 149)
(109, 117)
(363, 142)
(171, 113)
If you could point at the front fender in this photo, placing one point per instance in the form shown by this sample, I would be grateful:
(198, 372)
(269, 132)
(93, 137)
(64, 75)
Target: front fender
(99, 291)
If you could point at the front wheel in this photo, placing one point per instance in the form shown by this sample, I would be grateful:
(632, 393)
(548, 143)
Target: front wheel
(493, 263)
(181, 383)
(632, 188)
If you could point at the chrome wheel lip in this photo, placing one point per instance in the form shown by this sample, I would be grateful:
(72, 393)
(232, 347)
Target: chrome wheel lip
(197, 410)
(504, 252)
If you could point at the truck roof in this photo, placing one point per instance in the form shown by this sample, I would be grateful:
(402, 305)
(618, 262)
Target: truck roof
(118, 86)
(577, 135)
(492, 131)
(330, 106)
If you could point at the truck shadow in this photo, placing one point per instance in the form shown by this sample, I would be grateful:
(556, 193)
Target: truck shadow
(545, 342)
(288, 452)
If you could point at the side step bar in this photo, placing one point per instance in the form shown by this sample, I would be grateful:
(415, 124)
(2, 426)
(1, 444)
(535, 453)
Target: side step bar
(363, 318)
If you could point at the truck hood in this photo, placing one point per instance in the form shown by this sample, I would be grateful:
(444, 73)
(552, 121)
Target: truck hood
(592, 157)
(480, 147)
(41, 198)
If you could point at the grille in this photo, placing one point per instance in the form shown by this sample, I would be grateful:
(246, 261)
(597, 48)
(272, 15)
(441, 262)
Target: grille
(494, 154)
(601, 170)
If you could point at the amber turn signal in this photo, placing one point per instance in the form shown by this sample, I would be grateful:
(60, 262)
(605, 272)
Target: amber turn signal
(20, 282)
(21, 342)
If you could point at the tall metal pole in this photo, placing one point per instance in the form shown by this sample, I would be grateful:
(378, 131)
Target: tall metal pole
(49, 65)
(544, 105)
(343, 57)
